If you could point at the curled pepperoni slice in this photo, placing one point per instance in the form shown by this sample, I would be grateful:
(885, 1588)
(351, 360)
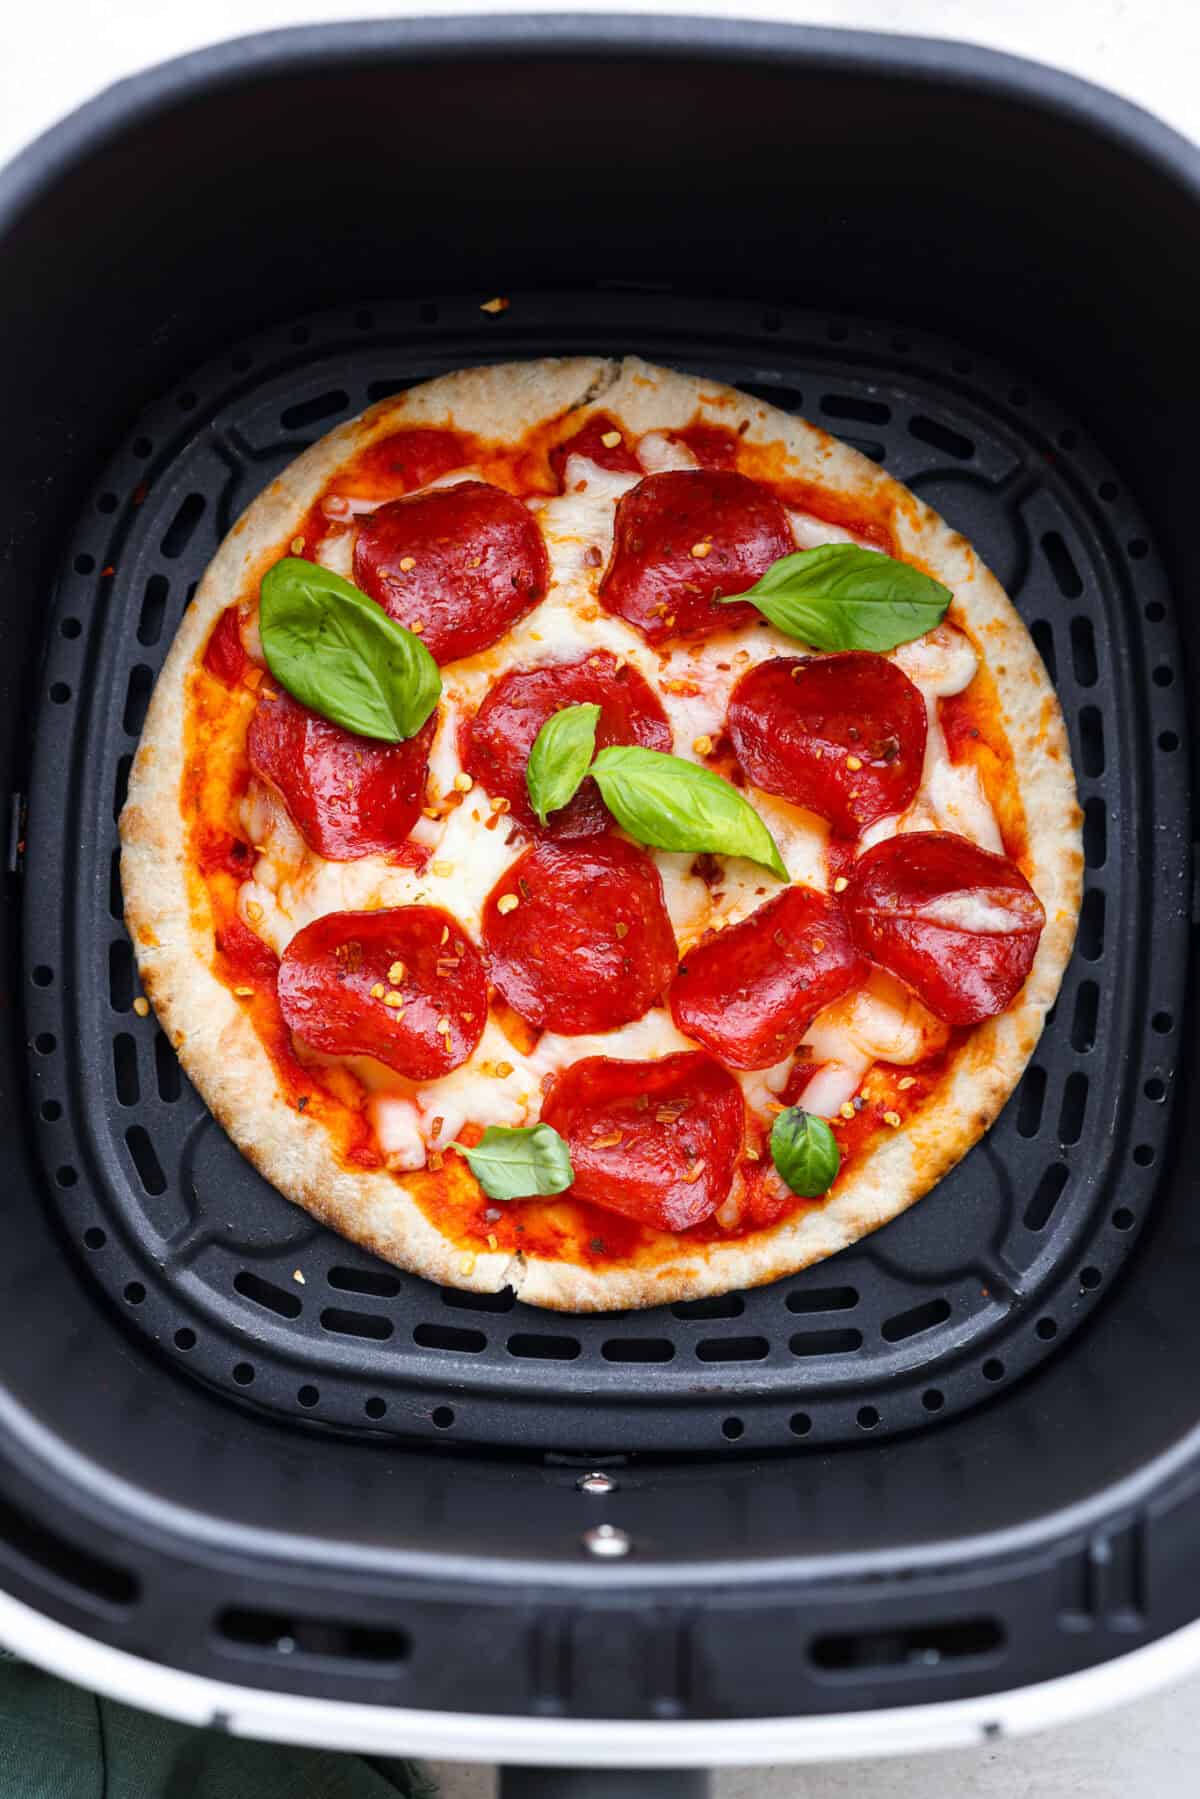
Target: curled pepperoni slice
(588, 441)
(224, 656)
(957, 924)
(406, 986)
(578, 936)
(655, 1140)
(495, 744)
(348, 796)
(460, 564)
(684, 537)
(843, 735)
(749, 993)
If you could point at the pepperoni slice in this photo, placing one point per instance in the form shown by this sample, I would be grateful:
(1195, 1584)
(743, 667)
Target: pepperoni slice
(749, 993)
(713, 446)
(684, 537)
(224, 656)
(495, 744)
(477, 564)
(588, 946)
(417, 456)
(348, 796)
(959, 925)
(655, 1140)
(843, 735)
(406, 986)
(588, 441)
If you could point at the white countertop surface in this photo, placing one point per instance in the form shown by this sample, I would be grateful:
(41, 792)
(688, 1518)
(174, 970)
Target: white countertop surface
(57, 53)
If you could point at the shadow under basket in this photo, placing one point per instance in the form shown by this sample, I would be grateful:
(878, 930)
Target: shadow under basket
(960, 1458)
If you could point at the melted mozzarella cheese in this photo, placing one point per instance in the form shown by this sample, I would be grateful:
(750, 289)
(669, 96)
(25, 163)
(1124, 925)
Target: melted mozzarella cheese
(973, 912)
(810, 533)
(879, 1022)
(658, 453)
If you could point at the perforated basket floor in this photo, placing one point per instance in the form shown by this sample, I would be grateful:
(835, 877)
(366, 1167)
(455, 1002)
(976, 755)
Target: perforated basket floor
(937, 1311)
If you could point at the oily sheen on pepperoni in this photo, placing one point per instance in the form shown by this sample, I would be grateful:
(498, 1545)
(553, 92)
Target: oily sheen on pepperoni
(495, 744)
(462, 563)
(337, 974)
(657, 1141)
(957, 924)
(348, 796)
(588, 441)
(589, 945)
(658, 582)
(843, 735)
(749, 993)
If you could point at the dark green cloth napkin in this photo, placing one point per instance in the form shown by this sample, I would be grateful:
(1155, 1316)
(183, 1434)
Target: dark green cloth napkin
(60, 1742)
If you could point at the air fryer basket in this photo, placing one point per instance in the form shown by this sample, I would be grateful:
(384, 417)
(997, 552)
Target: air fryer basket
(958, 1460)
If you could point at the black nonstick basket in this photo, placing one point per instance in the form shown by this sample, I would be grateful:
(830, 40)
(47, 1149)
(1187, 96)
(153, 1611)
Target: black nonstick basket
(248, 1473)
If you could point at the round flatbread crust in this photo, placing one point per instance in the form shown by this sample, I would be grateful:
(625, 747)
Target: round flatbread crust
(217, 1043)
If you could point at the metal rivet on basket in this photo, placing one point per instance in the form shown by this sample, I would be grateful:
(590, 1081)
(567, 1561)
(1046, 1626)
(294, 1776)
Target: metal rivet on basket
(596, 1483)
(607, 1541)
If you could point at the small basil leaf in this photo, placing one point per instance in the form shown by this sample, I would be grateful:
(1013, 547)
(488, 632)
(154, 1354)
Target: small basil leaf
(559, 758)
(842, 597)
(671, 804)
(805, 1152)
(519, 1162)
(338, 652)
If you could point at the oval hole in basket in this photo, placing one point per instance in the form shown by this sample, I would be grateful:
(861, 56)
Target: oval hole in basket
(854, 406)
(179, 533)
(356, 1324)
(454, 1337)
(365, 1280)
(137, 698)
(145, 1160)
(718, 1305)
(1083, 652)
(823, 1299)
(265, 1293)
(1083, 1022)
(1073, 1108)
(1031, 1101)
(825, 1342)
(1062, 567)
(1091, 925)
(310, 412)
(125, 1069)
(733, 1349)
(154, 605)
(637, 1349)
(911, 1323)
(542, 1347)
(1046, 1196)
(1095, 833)
(1091, 741)
(942, 437)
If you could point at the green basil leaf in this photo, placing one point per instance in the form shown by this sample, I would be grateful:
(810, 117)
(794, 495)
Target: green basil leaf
(519, 1162)
(559, 758)
(805, 1152)
(676, 805)
(338, 652)
(842, 597)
